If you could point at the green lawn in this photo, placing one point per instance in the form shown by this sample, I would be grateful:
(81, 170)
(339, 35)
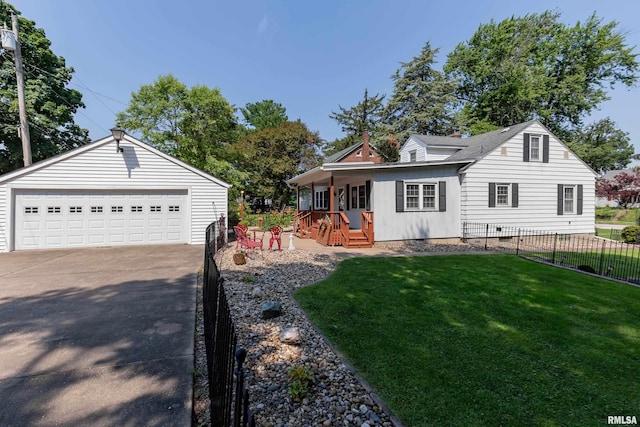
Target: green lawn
(605, 215)
(608, 233)
(484, 339)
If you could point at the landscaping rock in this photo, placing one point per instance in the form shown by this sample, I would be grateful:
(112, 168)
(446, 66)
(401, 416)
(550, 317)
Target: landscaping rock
(257, 293)
(290, 335)
(271, 310)
(337, 395)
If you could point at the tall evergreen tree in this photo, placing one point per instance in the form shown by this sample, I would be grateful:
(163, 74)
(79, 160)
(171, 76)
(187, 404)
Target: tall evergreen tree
(50, 104)
(264, 114)
(423, 98)
(366, 115)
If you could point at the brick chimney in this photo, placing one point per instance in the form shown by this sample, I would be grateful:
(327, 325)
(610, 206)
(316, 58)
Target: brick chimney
(365, 146)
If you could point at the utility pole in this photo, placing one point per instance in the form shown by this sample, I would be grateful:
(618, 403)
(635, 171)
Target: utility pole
(24, 124)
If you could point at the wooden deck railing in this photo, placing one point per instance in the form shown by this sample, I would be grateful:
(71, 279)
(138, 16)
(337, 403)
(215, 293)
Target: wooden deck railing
(307, 225)
(366, 224)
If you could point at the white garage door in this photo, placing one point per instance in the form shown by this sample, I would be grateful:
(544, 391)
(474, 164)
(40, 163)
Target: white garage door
(69, 218)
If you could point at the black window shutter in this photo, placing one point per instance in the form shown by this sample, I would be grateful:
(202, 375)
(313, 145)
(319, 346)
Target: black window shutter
(545, 148)
(525, 148)
(514, 195)
(492, 194)
(580, 199)
(348, 196)
(442, 196)
(399, 196)
(367, 195)
(560, 197)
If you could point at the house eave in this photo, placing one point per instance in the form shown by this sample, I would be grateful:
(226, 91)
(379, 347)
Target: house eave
(324, 172)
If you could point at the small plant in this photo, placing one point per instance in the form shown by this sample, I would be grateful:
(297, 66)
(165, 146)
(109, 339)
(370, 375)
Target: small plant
(248, 278)
(300, 378)
(631, 234)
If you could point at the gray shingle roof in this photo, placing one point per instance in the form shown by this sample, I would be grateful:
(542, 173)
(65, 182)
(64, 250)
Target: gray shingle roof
(336, 157)
(480, 145)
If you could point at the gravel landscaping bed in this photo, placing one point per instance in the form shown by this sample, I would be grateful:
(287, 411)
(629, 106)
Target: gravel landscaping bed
(336, 397)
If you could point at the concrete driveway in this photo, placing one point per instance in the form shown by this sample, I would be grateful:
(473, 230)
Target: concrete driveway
(100, 336)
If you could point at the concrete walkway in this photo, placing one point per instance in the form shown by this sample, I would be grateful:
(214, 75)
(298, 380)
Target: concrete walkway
(100, 337)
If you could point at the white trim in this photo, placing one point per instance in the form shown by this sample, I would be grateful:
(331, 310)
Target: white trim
(421, 186)
(99, 143)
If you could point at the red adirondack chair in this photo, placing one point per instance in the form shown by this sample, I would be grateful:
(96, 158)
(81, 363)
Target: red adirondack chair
(276, 236)
(243, 240)
(243, 228)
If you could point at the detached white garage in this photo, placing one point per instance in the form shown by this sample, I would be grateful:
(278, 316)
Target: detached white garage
(96, 195)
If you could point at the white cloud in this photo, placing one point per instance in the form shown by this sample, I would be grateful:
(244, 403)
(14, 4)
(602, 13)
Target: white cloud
(262, 26)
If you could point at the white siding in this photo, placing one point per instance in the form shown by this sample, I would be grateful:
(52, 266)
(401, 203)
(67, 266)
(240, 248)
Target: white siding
(410, 145)
(435, 154)
(137, 168)
(537, 182)
(392, 225)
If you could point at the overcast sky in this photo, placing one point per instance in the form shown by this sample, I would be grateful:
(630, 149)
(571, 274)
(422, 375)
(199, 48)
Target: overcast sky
(310, 56)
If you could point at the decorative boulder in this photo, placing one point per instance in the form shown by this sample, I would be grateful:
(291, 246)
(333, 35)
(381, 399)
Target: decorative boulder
(290, 335)
(239, 258)
(271, 309)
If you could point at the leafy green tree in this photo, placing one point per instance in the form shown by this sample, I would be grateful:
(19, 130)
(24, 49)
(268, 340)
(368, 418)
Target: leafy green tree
(602, 146)
(156, 112)
(197, 125)
(264, 114)
(423, 99)
(273, 155)
(366, 115)
(208, 127)
(50, 104)
(535, 67)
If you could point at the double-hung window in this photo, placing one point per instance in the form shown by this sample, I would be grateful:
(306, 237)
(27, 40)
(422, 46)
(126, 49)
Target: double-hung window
(414, 196)
(321, 199)
(502, 194)
(534, 148)
(420, 196)
(358, 197)
(570, 199)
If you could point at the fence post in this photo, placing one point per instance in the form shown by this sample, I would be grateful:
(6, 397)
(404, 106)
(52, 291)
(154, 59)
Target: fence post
(486, 238)
(518, 243)
(600, 269)
(241, 354)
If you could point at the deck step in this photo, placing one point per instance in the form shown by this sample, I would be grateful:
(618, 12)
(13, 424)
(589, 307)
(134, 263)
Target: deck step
(357, 239)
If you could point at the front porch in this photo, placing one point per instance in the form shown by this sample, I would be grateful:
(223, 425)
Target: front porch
(333, 228)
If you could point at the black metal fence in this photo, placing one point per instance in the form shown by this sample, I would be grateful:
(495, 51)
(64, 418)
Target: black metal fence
(229, 401)
(588, 253)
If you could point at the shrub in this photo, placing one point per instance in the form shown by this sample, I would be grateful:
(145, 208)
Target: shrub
(269, 219)
(631, 234)
(301, 378)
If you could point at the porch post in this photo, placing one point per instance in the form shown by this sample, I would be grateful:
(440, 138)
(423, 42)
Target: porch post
(297, 198)
(332, 201)
(313, 197)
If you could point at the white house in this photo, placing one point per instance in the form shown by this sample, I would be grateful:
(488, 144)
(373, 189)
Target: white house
(520, 176)
(108, 193)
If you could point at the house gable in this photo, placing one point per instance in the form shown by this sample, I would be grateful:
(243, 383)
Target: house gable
(546, 187)
(356, 153)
